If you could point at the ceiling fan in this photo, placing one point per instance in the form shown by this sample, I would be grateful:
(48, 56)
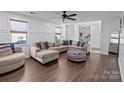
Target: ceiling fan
(65, 16)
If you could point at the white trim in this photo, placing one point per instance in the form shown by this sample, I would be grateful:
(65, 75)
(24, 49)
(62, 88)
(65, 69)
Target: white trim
(121, 73)
(27, 56)
(104, 53)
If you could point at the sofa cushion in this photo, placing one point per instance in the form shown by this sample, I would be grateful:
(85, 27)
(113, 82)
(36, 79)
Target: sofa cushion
(63, 46)
(60, 42)
(55, 48)
(57, 44)
(47, 53)
(74, 43)
(50, 44)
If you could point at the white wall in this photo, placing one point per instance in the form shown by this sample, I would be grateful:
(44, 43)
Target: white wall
(121, 51)
(69, 32)
(38, 30)
(108, 26)
(96, 34)
(121, 56)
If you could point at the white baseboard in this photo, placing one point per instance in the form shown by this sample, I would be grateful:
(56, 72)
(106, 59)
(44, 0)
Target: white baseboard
(121, 70)
(104, 53)
(27, 56)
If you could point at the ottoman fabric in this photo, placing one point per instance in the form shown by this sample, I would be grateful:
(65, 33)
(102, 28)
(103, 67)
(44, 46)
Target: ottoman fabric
(76, 55)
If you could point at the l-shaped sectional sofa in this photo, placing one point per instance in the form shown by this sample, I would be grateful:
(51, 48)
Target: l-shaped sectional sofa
(52, 53)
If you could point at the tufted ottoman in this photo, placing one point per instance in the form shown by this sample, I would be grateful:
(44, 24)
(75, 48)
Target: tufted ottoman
(76, 55)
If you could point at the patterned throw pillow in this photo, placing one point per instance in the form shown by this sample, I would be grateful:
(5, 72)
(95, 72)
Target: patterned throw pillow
(43, 45)
(82, 44)
(38, 45)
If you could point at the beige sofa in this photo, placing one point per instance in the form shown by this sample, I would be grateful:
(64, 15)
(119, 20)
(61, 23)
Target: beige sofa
(61, 48)
(44, 56)
(52, 53)
(12, 62)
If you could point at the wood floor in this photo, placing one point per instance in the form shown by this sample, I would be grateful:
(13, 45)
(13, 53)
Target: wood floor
(97, 68)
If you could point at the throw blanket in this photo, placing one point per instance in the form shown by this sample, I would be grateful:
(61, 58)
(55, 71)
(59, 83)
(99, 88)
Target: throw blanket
(6, 49)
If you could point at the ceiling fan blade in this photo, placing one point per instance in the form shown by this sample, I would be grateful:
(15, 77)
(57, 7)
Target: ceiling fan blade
(71, 18)
(72, 15)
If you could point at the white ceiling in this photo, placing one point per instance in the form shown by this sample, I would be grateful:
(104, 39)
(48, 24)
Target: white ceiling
(55, 16)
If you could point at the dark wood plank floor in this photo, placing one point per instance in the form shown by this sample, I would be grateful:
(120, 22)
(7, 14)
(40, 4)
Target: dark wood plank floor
(97, 68)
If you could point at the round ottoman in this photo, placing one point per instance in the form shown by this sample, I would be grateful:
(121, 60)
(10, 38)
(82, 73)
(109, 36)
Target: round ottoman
(76, 55)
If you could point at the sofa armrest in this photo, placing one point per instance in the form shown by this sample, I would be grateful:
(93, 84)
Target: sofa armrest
(33, 51)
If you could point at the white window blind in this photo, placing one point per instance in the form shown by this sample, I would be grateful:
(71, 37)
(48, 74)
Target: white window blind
(18, 30)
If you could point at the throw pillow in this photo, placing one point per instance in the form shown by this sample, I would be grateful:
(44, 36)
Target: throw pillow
(78, 43)
(70, 42)
(65, 42)
(46, 45)
(43, 45)
(82, 44)
(38, 45)
(12, 46)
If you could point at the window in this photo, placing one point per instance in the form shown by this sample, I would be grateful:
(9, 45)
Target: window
(58, 33)
(18, 30)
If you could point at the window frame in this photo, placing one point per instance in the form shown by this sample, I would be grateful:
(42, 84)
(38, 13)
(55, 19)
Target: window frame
(56, 33)
(20, 32)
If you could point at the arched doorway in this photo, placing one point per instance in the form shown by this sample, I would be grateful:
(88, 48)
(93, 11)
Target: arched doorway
(114, 42)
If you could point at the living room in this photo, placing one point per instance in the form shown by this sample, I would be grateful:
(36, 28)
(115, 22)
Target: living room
(94, 28)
